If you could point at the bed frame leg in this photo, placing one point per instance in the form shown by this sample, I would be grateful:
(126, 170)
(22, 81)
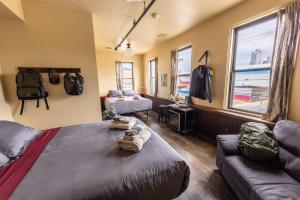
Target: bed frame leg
(147, 114)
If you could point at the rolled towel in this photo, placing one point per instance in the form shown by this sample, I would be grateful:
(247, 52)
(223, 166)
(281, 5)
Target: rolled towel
(121, 98)
(134, 131)
(126, 126)
(120, 119)
(136, 98)
(135, 144)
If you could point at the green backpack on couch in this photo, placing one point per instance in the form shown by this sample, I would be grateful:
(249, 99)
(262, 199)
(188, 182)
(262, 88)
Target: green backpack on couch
(258, 143)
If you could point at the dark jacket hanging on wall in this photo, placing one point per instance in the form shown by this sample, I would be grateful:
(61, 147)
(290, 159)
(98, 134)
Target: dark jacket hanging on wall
(200, 83)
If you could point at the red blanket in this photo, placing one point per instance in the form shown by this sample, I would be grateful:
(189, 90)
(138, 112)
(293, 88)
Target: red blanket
(13, 174)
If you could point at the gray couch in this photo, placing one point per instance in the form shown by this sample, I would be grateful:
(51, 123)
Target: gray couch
(252, 180)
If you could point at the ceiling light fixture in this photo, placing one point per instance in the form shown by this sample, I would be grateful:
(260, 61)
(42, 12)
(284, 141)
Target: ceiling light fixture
(155, 16)
(135, 23)
(162, 35)
(128, 51)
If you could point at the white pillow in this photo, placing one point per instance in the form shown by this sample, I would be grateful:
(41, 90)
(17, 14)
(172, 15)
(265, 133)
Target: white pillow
(14, 138)
(115, 93)
(128, 92)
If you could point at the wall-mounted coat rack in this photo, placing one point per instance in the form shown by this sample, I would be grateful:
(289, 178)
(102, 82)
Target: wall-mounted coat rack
(205, 55)
(47, 69)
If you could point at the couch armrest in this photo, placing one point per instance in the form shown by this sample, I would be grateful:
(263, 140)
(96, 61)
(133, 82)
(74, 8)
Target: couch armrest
(228, 144)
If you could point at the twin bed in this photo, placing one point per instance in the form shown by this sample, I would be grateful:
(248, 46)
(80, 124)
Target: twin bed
(128, 104)
(85, 162)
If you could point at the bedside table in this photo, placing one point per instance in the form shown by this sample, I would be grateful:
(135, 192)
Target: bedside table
(180, 119)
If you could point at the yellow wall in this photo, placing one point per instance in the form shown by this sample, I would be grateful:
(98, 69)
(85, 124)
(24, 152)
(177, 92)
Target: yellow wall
(15, 6)
(214, 35)
(294, 107)
(107, 70)
(57, 37)
(5, 113)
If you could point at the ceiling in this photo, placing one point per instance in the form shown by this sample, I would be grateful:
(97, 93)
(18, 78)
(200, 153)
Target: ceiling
(113, 18)
(7, 13)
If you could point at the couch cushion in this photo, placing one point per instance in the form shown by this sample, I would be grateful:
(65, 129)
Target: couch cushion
(229, 144)
(287, 133)
(275, 192)
(247, 173)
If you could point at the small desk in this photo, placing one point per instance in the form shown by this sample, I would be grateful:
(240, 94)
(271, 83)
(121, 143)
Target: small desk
(180, 119)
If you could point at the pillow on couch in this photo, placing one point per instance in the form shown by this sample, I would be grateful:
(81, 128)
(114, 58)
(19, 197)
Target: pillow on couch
(287, 134)
(115, 93)
(14, 138)
(128, 92)
(3, 160)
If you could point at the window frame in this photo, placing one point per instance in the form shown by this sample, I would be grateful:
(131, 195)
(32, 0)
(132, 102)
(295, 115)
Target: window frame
(132, 77)
(183, 75)
(233, 56)
(152, 78)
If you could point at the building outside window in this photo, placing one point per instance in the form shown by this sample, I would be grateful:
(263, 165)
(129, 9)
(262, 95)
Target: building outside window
(184, 71)
(251, 65)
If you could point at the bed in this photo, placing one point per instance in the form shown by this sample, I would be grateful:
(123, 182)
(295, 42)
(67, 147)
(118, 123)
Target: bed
(128, 104)
(84, 162)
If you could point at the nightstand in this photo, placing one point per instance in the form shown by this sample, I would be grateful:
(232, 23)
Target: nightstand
(180, 118)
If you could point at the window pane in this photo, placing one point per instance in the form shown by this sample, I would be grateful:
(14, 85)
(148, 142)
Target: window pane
(183, 85)
(152, 68)
(184, 70)
(152, 85)
(152, 76)
(185, 61)
(127, 84)
(251, 91)
(127, 76)
(127, 70)
(254, 45)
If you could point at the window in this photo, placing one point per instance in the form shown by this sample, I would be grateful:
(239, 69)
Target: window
(251, 65)
(152, 76)
(184, 71)
(126, 74)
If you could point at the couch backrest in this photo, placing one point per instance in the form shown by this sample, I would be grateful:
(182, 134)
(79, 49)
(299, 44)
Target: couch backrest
(287, 133)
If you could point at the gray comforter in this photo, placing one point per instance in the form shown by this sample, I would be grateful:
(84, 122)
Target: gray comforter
(129, 105)
(84, 162)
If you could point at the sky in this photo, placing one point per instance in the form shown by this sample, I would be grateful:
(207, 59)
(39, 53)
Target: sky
(249, 38)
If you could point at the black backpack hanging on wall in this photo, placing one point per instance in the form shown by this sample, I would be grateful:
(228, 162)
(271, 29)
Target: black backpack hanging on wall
(53, 77)
(73, 84)
(30, 87)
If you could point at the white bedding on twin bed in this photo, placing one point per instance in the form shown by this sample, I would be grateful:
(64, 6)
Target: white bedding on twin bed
(129, 105)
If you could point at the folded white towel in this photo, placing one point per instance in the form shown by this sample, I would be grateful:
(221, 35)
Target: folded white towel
(136, 143)
(134, 131)
(136, 98)
(120, 119)
(121, 125)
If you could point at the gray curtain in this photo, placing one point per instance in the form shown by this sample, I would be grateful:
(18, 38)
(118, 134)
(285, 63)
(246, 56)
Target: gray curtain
(156, 77)
(173, 72)
(119, 75)
(283, 62)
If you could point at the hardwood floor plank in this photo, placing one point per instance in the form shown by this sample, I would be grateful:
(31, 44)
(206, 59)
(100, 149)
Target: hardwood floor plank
(206, 183)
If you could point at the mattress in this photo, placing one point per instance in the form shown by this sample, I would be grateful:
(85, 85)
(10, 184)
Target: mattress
(85, 162)
(129, 105)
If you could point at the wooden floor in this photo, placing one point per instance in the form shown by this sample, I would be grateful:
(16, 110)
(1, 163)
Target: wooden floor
(205, 181)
